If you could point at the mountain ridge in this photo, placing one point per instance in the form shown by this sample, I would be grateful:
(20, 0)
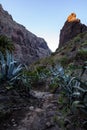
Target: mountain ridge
(28, 47)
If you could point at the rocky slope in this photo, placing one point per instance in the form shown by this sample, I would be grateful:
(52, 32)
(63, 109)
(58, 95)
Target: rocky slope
(28, 47)
(71, 28)
(72, 52)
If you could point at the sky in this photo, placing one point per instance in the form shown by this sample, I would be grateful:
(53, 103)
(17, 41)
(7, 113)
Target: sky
(45, 18)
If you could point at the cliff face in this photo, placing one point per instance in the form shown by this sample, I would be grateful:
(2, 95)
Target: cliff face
(28, 47)
(71, 28)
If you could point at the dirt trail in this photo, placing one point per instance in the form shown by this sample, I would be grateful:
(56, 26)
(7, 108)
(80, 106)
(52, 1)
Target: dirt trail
(44, 113)
(41, 117)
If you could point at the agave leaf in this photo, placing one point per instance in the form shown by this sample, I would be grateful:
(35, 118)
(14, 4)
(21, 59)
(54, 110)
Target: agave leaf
(79, 88)
(8, 57)
(2, 60)
(74, 106)
(77, 94)
(3, 69)
(11, 68)
(71, 81)
(17, 70)
(14, 78)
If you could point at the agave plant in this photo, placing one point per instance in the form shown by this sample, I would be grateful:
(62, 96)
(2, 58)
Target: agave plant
(81, 90)
(9, 69)
(75, 89)
(63, 79)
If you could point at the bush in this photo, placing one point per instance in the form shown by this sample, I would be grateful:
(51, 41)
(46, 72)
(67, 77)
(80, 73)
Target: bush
(6, 44)
(77, 39)
(81, 54)
(37, 76)
(64, 61)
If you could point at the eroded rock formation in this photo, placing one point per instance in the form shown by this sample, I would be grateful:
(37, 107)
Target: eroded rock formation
(72, 18)
(28, 47)
(71, 28)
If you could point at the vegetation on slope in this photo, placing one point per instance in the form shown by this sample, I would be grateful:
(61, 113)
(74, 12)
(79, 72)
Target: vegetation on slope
(68, 71)
(64, 73)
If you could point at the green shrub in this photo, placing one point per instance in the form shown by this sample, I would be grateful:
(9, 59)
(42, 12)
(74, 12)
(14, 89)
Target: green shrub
(37, 75)
(71, 66)
(64, 61)
(84, 43)
(77, 39)
(6, 44)
(81, 54)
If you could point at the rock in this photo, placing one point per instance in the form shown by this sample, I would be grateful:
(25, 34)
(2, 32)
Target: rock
(72, 18)
(39, 110)
(31, 108)
(48, 124)
(71, 28)
(28, 47)
(39, 95)
(49, 106)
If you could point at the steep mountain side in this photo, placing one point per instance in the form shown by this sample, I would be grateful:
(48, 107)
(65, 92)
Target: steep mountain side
(71, 28)
(73, 45)
(74, 53)
(28, 47)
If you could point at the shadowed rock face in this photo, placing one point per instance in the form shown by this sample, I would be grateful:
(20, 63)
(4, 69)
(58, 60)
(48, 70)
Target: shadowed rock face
(28, 47)
(71, 28)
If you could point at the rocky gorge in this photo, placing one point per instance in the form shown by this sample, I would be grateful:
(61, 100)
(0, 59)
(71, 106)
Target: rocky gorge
(38, 99)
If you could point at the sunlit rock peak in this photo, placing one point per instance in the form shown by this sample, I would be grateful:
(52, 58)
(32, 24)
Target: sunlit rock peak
(72, 27)
(72, 18)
